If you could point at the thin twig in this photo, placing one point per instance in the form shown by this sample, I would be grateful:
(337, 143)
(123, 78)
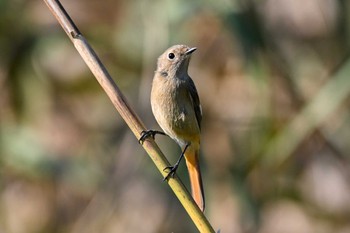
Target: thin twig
(130, 117)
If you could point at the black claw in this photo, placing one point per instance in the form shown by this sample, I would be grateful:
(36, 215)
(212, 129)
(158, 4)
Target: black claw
(171, 172)
(149, 133)
(144, 135)
(174, 168)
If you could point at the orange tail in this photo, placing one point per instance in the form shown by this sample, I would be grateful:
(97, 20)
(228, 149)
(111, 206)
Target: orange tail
(192, 162)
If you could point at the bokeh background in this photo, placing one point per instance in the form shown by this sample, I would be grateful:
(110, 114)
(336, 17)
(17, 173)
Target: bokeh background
(274, 82)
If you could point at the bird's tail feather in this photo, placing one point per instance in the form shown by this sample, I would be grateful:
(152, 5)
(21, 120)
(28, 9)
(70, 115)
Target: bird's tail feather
(192, 162)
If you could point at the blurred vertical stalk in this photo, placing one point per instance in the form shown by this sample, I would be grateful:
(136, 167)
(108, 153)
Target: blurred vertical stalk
(155, 38)
(328, 99)
(126, 112)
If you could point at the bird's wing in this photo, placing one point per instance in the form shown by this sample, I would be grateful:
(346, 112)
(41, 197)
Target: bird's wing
(195, 101)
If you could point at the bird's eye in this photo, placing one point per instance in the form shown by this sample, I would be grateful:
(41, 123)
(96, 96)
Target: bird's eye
(171, 56)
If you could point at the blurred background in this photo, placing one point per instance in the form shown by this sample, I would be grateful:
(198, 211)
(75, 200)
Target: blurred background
(274, 81)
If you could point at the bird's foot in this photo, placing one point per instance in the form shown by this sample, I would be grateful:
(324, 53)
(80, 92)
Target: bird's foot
(149, 133)
(172, 171)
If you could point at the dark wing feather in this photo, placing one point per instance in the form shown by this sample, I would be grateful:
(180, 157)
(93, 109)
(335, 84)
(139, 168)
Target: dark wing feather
(195, 100)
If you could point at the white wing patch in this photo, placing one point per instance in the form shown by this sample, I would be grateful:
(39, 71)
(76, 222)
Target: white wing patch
(182, 116)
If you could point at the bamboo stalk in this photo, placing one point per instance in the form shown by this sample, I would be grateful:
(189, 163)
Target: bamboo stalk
(126, 112)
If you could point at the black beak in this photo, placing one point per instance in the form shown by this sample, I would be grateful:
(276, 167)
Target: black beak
(191, 50)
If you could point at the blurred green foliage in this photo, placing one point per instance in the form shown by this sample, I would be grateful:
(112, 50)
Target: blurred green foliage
(272, 78)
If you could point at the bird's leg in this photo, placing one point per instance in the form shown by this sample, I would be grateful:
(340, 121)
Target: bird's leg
(149, 133)
(176, 165)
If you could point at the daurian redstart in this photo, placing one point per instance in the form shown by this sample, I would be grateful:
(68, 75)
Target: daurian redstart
(176, 107)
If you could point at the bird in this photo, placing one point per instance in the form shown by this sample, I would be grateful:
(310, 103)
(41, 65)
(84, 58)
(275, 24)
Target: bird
(176, 107)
